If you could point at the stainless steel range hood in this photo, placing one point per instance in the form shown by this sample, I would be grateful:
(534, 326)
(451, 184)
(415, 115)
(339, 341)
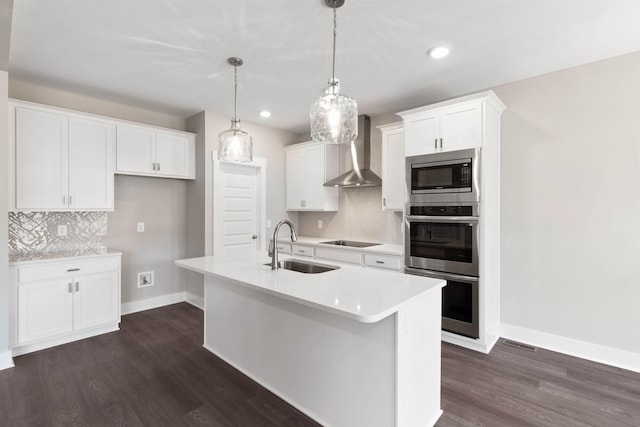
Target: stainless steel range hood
(360, 175)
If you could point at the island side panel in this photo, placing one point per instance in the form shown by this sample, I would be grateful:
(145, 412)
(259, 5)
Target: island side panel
(418, 369)
(338, 371)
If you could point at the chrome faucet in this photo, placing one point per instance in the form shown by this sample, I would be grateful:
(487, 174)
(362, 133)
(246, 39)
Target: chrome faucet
(273, 245)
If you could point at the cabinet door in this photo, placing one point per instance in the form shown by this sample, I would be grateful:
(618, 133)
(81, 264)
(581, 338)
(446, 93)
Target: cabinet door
(91, 145)
(295, 164)
(96, 300)
(135, 150)
(461, 126)
(172, 154)
(41, 160)
(393, 184)
(422, 133)
(312, 177)
(45, 309)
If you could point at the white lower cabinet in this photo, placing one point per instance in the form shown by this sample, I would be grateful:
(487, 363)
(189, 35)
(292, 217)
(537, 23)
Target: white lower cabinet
(391, 262)
(301, 250)
(351, 257)
(59, 302)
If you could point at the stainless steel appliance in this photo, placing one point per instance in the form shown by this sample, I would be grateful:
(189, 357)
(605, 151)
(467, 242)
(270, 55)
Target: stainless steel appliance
(350, 243)
(442, 233)
(459, 302)
(449, 177)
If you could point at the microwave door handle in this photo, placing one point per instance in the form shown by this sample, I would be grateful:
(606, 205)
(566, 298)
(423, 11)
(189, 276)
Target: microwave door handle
(443, 218)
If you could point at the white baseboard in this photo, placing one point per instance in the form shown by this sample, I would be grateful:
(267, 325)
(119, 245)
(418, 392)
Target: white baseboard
(6, 361)
(150, 303)
(194, 300)
(585, 350)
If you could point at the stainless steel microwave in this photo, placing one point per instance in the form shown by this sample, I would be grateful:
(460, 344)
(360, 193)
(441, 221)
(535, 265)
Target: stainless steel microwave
(450, 177)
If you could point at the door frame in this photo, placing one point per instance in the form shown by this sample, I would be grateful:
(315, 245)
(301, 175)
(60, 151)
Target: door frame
(258, 163)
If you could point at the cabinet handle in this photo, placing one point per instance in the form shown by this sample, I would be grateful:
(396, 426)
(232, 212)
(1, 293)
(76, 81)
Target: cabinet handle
(303, 203)
(379, 262)
(64, 200)
(384, 201)
(440, 142)
(70, 287)
(158, 166)
(153, 166)
(77, 286)
(72, 269)
(435, 143)
(70, 200)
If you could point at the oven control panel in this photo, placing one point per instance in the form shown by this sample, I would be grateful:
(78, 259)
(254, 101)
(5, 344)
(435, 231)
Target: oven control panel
(441, 210)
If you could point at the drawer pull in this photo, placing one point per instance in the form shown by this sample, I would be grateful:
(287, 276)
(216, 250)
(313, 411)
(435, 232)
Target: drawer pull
(70, 287)
(379, 262)
(77, 286)
(73, 269)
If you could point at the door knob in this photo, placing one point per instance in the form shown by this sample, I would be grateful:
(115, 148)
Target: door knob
(254, 237)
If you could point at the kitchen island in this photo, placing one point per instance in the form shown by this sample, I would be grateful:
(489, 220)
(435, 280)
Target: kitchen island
(349, 347)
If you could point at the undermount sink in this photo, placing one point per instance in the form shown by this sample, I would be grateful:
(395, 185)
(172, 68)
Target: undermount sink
(305, 266)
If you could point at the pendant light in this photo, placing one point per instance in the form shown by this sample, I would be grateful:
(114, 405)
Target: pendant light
(334, 117)
(236, 145)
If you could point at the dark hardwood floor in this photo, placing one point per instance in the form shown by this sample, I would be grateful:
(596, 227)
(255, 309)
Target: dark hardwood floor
(154, 372)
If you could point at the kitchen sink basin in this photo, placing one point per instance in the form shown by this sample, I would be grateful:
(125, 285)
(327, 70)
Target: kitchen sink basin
(305, 266)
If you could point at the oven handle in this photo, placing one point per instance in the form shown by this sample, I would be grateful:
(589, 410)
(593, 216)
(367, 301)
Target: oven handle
(442, 218)
(439, 274)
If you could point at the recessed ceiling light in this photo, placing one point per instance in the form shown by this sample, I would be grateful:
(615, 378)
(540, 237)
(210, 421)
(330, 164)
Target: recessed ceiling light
(438, 52)
(266, 114)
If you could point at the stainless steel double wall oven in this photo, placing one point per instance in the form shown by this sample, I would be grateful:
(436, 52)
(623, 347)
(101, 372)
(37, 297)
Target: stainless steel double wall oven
(442, 232)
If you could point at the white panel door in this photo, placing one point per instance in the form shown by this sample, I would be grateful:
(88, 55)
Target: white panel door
(41, 160)
(172, 154)
(91, 144)
(96, 300)
(239, 210)
(461, 126)
(45, 309)
(135, 150)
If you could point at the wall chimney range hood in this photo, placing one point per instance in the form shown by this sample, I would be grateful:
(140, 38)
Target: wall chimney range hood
(360, 175)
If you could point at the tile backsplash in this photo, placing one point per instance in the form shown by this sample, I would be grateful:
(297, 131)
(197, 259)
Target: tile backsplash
(38, 231)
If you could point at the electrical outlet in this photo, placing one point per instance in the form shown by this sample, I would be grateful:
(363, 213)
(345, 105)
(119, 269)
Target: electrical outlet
(140, 227)
(145, 279)
(319, 223)
(62, 230)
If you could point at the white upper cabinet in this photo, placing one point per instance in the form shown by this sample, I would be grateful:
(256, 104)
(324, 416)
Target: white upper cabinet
(308, 166)
(450, 125)
(392, 166)
(150, 151)
(63, 163)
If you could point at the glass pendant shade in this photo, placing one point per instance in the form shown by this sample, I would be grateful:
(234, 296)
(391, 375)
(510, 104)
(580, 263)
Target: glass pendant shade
(334, 117)
(236, 145)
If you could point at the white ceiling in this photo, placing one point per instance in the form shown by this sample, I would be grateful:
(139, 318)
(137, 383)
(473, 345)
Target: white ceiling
(170, 55)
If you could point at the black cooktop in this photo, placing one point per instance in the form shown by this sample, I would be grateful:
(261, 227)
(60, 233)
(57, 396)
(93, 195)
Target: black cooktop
(350, 243)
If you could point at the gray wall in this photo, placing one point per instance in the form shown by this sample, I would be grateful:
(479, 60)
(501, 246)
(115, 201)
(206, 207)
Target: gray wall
(4, 216)
(6, 7)
(570, 198)
(160, 204)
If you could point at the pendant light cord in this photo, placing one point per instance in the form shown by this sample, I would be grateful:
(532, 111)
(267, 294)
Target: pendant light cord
(335, 26)
(235, 93)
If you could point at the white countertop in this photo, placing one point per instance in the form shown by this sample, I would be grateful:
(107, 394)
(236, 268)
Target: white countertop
(363, 294)
(17, 259)
(382, 248)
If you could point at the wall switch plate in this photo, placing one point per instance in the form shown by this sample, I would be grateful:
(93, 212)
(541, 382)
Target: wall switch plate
(319, 223)
(140, 227)
(145, 279)
(62, 230)
(268, 223)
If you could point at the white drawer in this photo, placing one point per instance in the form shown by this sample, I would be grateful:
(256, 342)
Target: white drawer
(284, 248)
(392, 262)
(52, 270)
(302, 250)
(352, 257)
